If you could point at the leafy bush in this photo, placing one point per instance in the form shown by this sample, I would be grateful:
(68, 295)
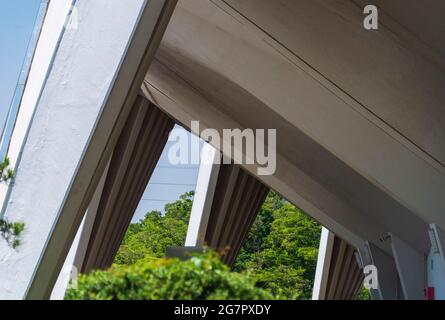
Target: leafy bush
(281, 249)
(279, 255)
(10, 231)
(364, 294)
(201, 277)
(149, 238)
(6, 173)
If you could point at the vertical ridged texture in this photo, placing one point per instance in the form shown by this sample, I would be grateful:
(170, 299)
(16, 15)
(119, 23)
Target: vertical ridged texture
(345, 278)
(134, 159)
(238, 198)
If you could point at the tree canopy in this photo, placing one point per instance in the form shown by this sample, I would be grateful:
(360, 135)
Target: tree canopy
(149, 238)
(277, 260)
(281, 249)
(10, 231)
(199, 278)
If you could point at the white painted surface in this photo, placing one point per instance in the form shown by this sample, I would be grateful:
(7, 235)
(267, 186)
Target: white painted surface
(54, 20)
(436, 275)
(203, 74)
(436, 262)
(410, 268)
(76, 88)
(68, 270)
(202, 202)
(323, 264)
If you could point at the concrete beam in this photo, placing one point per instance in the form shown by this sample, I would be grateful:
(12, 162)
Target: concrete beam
(69, 270)
(438, 241)
(388, 281)
(237, 199)
(134, 159)
(89, 90)
(185, 104)
(410, 267)
(323, 264)
(328, 142)
(416, 42)
(76, 256)
(435, 266)
(53, 25)
(344, 277)
(150, 22)
(203, 198)
(88, 223)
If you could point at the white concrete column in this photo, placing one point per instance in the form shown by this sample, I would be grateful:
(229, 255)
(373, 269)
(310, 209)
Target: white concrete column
(76, 255)
(410, 267)
(323, 264)
(204, 192)
(55, 18)
(83, 102)
(69, 270)
(435, 267)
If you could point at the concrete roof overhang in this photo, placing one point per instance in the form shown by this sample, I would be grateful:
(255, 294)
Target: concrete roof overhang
(359, 114)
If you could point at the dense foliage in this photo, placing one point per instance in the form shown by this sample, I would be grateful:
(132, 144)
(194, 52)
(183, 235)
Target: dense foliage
(364, 294)
(6, 173)
(9, 230)
(150, 237)
(278, 256)
(201, 277)
(281, 249)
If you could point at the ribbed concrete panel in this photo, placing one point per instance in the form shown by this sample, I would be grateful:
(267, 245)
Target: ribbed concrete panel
(132, 164)
(345, 278)
(238, 198)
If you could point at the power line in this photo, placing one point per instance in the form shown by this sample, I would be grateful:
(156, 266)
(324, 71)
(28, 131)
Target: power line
(172, 184)
(159, 200)
(176, 167)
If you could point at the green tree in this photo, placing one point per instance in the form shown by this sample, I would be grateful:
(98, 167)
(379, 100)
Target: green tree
(279, 256)
(6, 173)
(259, 231)
(149, 238)
(281, 249)
(364, 294)
(201, 277)
(10, 231)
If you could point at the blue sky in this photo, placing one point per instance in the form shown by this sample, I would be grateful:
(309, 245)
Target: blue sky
(17, 19)
(167, 183)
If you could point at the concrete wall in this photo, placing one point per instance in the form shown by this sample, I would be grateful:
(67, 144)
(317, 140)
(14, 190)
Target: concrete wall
(310, 70)
(75, 89)
(55, 19)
